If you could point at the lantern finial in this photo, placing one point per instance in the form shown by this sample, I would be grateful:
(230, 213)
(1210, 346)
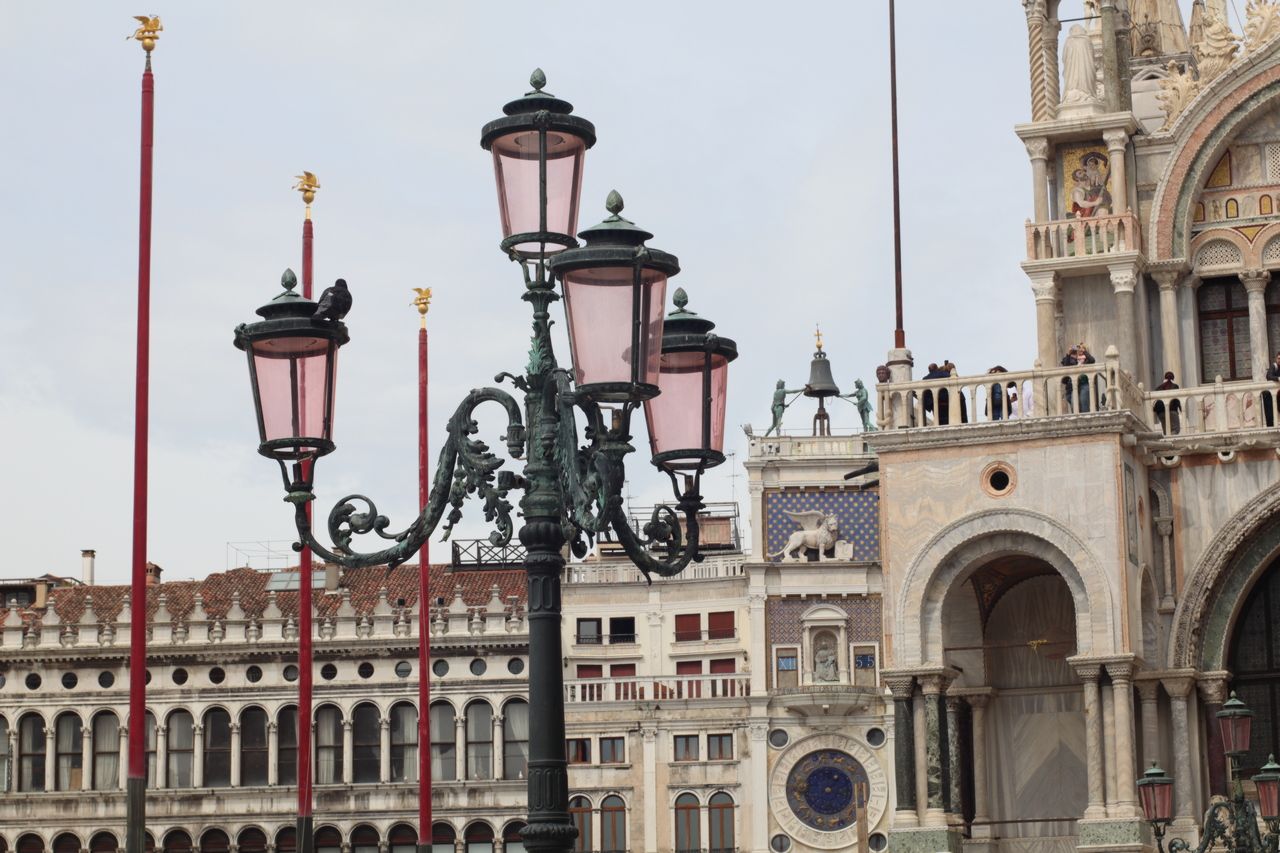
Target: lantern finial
(680, 299)
(613, 202)
(537, 79)
(288, 280)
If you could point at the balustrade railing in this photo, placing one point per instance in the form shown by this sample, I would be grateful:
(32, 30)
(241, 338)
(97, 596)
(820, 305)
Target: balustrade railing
(1098, 235)
(656, 687)
(1216, 408)
(713, 567)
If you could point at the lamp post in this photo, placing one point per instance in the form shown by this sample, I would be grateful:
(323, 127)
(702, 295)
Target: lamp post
(614, 288)
(1231, 823)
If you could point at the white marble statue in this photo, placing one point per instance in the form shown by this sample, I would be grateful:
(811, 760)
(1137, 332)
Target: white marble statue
(818, 531)
(1262, 24)
(1079, 76)
(1176, 91)
(825, 666)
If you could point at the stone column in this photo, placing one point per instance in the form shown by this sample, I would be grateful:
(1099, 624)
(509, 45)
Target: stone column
(235, 755)
(50, 763)
(460, 747)
(1149, 692)
(1044, 286)
(904, 749)
(1189, 323)
(649, 733)
(935, 743)
(384, 750)
(1170, 333)
(499, 746)
(1038, 151)
(1213, 692)
(921, 734)
(273, 753)
(10, 782)
(1179, 690)
(162, 756)
(1122, 684)
(1089, 674)
(981, 798)
(1255, 285)
(1124, 278)
(1042, 46)
(86, 758)
(952, 763)
(1117, 142)
(348, 751)
(1164, 527)
(197, 756)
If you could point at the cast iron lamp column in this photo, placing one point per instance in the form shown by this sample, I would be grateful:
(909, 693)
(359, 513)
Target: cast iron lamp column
(614, 289)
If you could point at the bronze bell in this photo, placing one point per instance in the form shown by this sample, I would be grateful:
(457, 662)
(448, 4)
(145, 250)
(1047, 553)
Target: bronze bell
(821, 383)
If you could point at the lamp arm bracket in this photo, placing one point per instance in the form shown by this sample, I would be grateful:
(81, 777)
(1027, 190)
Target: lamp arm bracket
(663, 529)
(582, 481)
(466, 466)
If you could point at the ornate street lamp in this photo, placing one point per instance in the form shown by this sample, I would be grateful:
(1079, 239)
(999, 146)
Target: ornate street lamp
(614, 289)
(1230, 823)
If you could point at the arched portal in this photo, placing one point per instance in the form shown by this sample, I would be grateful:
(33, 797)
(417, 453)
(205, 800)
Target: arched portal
(1254, 660)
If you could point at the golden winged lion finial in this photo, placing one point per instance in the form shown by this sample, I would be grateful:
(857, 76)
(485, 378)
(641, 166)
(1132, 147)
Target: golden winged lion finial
(307, 185)
(148, 31)
(422, 301)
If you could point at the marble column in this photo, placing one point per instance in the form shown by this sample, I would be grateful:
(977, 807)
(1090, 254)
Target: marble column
(1093, 719)
(122, 763)
(1108, 744)
(1124, 278)
(197, 756)
(1044, 286)
(1117, 142)
(235, 755)
(1149, 692)
(1038, 151)
(86, 758)
(1180, 693)
(348, 751)
(921, 734)
(1170, 333)
(981, 799)
(1255, 285)
(1189, 322)
(460, 747)
(952, 762)
(162, 756)
(273, 753)
(1122, 684)
(1213, 692)
(936, 776)
(50, 763)
(499, 746)
(1164, 527)
(384, 750)
(904, 749)
(649, 733)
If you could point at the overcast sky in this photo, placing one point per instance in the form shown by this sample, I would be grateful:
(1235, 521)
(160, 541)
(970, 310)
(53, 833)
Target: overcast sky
(751, 138)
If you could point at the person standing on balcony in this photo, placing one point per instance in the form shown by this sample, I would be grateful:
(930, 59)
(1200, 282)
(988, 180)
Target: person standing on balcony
(1173, 424)
(1078, 355)
(1273, 374)
(996, 407)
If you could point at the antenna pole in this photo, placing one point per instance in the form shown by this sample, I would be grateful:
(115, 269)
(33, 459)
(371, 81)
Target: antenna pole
(899, 333)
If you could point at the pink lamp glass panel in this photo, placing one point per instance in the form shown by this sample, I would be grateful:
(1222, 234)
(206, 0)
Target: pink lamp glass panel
(515, 163)
(675, 415)
(1157, 801)
(291, 387)
(598, 303)
(1235, 733)
(1268, 797)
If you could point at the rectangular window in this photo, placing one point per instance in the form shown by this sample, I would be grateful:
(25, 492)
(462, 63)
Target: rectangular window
(287, 750)
(612, 751)
(588, 632)
(720, 625)
(591, 691)
(578, 750)
(720, 747)
(688, 627)
(622, 629)
(686, 748)
(689, 687)
(787, 670)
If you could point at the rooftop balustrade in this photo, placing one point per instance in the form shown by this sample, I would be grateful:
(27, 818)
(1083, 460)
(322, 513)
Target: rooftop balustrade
(644, 688)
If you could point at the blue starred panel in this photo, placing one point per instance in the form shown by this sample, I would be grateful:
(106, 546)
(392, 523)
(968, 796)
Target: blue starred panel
(858, 514)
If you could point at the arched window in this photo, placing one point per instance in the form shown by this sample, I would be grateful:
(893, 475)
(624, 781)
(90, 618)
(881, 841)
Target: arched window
(31, 754)
(4, 756)
(177, 841)
(613, 824)
(404, 743)
(580, 814)
(287, 751)
(515, 739)
(251, 840)
(367, 743)
(106, 751)
(478, 838)
(328, 745)
(287, 839)
(103, 842)
(444, 752)
(217, 748)
(720, 823)
(479, 740)
(149, 725)
(513, 837)
(30, 843)
(214, 841)
(68, 752)
(402, 839)
(66, 843)
(364, 839)
(442, 838)
(180, 747)
(328, 838)
(688, 824)
(253, 747)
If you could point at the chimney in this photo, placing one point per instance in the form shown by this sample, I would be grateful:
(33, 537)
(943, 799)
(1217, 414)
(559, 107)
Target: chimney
(86, 563)
(153, 574)
(330, 577)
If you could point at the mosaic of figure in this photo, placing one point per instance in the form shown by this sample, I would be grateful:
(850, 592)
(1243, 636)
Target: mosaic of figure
(818, 531)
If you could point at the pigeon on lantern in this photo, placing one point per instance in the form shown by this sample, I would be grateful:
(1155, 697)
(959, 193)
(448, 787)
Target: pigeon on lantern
(335, 302)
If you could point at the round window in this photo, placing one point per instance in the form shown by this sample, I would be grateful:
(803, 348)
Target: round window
(33, 681)
(998, 479)
(440, 668)
(875, 737)
(780, 844)
(328, 672)
(478, 667)
(779, 738)
(253, 674)
(404, 669)
(515, 666)
(179, 676)
(69, 680)
(106, 679)
(365, 670)
(877, 841)
(217, 675)
(290, 673)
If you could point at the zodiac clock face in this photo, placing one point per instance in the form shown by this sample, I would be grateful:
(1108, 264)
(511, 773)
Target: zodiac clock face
(819, 786)
(825, 789)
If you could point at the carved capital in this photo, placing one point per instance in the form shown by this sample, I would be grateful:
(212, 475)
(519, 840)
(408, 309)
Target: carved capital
(1045, 290)
(934, 684)
(1213, 687)
(1124, 280)
(1116, 139)
(1148, 689)
(1178, 688)
(273, 727)
(1255, 281)
(902, 687)
(655, 619)
(1035, 9)
(954, 703)
(978, 700)
(384, 724)
(1120, 671)
(1087, 671)
(1037, 149)
(235, 729)
(650, 735)
(759, 731)
(1167, 279)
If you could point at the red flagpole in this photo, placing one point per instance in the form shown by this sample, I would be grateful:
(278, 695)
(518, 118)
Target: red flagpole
(135, 805)
(423, 301)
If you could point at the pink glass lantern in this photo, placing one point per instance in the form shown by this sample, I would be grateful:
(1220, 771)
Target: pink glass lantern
(538, 149)
(614, 289)
(1155, 790)
(1236, 722)
(1267, 783)
(686, 420)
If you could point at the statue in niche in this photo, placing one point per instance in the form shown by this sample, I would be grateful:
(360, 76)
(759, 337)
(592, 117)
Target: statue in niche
(1079, 76)
(780, 404)
(825, 663)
